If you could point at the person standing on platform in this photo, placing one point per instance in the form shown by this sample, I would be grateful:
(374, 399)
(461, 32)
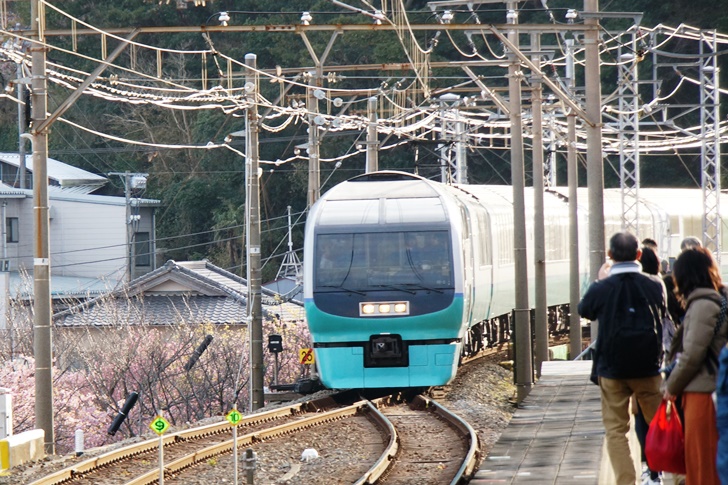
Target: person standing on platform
(702, 336)
(673, 305)
(650, 265)
(629, 306)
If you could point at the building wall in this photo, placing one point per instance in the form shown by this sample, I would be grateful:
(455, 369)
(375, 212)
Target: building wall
(86, 239)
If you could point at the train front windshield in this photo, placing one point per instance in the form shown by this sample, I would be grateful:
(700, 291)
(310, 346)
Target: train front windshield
(384, 260)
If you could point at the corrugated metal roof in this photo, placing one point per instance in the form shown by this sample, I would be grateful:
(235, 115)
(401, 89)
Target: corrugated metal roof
(21, 286)
(76, 194)
(8, 192)
(66, 175)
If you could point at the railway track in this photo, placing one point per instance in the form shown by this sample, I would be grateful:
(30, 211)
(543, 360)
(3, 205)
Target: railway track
(386, 440)
(142, 455)
(436, 446)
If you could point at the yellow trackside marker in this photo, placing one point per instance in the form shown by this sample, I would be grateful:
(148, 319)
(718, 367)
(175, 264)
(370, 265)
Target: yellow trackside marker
(4, 455)
(305, 356)
(234, 417)
(159, 425)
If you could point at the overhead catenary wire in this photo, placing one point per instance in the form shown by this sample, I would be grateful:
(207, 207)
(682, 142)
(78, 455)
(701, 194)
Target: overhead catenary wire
(423, 114)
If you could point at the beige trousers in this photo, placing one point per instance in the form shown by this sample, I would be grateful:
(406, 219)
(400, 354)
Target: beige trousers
(615, 416)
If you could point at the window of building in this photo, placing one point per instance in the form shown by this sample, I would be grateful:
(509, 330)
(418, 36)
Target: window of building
(142, 249)
(12, 232)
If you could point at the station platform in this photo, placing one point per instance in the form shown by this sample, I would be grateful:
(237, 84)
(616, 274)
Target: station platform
(556, 436)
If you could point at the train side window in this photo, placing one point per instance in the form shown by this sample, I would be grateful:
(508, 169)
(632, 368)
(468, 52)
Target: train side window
(504, 228)
(466, 225)
(484, 240)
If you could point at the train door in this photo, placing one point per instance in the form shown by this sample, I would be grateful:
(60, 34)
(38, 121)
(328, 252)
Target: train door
(467, 248)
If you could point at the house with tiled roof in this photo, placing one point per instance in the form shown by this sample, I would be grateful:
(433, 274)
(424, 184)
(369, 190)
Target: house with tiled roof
(188, 291)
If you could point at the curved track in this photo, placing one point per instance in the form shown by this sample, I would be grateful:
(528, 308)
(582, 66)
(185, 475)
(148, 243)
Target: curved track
(387, 446)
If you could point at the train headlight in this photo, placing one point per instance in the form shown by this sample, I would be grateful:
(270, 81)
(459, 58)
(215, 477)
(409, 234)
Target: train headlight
(383, 308)
(367, 309)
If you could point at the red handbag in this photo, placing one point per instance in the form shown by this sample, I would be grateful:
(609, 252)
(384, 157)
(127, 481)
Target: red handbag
(665, 443)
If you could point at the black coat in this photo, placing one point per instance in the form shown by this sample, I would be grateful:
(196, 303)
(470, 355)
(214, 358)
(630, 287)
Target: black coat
(598, 303)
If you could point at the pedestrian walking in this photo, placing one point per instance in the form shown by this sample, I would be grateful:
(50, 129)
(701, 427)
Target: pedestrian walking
(651, 265)
(629, 306)
(699, 341)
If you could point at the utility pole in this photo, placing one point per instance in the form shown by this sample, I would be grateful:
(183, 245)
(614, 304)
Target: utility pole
(42, 334)
(254, 304)
(539, 230)
(130, 249)
(572, 175)
(21, 128)
(372, 164)
(524, 355)
(574, 280)
(131, 181)
(594, 160)
(42, 319)
(314, 169)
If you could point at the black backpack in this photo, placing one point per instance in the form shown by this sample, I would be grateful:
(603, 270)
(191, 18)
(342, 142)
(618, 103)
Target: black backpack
(634, 334)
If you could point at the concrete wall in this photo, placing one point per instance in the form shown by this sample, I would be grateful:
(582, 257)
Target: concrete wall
(21, 448)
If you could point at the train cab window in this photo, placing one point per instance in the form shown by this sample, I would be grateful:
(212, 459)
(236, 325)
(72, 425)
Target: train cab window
(334, 253)
(378, 260)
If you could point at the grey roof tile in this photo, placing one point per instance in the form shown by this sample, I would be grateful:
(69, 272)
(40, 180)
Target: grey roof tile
(205, 294)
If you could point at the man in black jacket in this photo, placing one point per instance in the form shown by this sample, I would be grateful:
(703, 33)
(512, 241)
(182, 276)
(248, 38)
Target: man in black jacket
(629, 306)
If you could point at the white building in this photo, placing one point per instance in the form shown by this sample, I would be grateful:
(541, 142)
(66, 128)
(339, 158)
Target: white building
(90, 236)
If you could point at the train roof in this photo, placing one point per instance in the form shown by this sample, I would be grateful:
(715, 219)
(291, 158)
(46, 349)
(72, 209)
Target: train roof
(386, 184)
(673, 201)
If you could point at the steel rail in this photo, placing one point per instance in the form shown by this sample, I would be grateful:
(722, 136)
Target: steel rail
(386, 459)
(468, 432)
(250, 439)
(86, 466)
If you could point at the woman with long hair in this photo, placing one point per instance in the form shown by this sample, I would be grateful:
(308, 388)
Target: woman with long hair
(699, 341)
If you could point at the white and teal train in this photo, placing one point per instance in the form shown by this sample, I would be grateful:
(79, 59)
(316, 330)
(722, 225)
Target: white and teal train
(403, 276)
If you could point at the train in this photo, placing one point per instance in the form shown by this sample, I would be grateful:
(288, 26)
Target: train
(403, 276)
